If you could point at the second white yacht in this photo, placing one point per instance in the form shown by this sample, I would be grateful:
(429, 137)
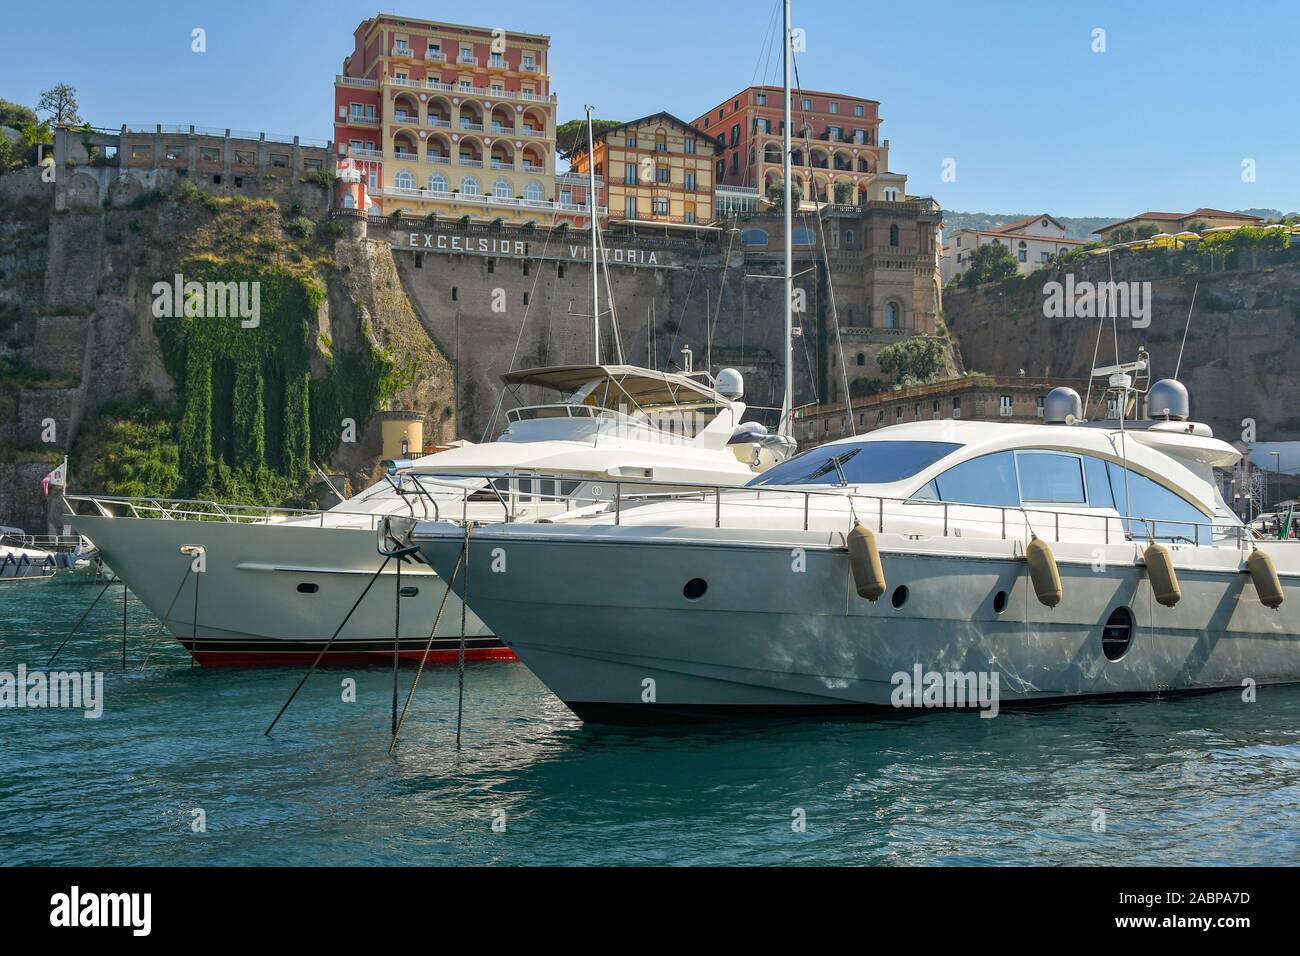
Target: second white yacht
(252, 586)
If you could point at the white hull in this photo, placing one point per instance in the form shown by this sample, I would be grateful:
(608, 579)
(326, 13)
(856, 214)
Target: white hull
(250, 608)
(766, 636)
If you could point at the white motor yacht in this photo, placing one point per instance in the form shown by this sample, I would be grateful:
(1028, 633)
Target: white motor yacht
(274, 585)
(1051, 561)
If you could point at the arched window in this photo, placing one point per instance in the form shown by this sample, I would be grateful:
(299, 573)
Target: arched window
(405, 180)
(437, 183)
(470, 186)
(803, 237)
(891, 315)
(533, 192)
(893, 235)
(501, 189)
(862, 358)
(349, 201)
(754, 237)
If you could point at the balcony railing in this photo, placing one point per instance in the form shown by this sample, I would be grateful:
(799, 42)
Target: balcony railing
(359, 82)
(503, 130)
(403, 117)
(528, 167)
(488, 199)
(403, 81)
(530, 67)
(406, 155)
(435, 55)
(357, 152)
(401, 51)
(502, 164)
(439, 122)
(470, 161)
(467, 60)
(437, 158)
(471, 127)
(363, 119)
(486, 92)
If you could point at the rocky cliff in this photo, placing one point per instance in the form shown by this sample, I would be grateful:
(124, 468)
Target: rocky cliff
(182, 393)
(1240, 360)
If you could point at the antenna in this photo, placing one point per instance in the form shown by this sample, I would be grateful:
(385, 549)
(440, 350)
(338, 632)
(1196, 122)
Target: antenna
(595, 229)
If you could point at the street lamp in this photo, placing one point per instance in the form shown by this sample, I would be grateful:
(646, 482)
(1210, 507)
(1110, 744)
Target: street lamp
(1278, 456)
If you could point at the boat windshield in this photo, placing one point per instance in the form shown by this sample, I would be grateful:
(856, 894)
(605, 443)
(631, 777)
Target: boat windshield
(857, 463)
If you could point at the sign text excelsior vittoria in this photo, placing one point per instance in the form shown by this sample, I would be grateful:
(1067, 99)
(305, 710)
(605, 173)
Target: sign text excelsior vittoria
(523, 249)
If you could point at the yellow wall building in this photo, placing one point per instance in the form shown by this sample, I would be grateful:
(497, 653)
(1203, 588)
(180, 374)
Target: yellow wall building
(656, 169)
(448, 119)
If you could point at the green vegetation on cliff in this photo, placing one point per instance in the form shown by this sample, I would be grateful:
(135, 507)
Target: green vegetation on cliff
(259, 398)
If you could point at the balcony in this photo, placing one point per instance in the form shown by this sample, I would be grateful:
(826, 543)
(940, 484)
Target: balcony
(511, 202)
(357, 152)
(503, 130)
(528, 167)
(502, 164)
(471, 127)
(363, 119)
(440, 86)
(356, 81)
(406, 155)
(402, 51)
(403, 81)
(530, 67)
(470, 161)
(437, 55)
(435, 158)
(467, 59)
(401, 116)
(439, 122)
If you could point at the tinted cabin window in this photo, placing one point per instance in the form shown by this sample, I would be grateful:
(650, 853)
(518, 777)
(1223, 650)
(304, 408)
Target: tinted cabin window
(866, 463)
(1174, 518)
(987, 480)
(1047, 476)
(1099, 494)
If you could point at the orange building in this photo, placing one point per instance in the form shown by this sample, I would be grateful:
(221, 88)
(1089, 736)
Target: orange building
(836, 151)
(654, 169)
(450, 120)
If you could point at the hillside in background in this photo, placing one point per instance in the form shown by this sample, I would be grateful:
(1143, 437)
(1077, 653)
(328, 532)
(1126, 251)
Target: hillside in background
(1075, 228)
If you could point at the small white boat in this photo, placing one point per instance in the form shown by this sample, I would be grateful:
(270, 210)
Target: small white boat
(21, 563)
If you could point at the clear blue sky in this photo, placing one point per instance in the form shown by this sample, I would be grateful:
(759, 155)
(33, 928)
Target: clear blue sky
(1011, 91)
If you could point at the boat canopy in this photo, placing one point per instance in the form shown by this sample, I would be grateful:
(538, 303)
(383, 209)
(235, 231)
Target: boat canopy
(613, 385)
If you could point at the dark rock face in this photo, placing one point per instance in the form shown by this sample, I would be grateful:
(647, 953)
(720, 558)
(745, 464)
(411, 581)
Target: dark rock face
(1240, 361)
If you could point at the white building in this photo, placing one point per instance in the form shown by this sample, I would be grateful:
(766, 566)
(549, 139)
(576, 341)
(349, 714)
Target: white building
(1032, 242)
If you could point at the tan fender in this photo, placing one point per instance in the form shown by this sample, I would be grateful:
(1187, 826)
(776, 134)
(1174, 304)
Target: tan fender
(1267, 584)
(1042, 570)
(1164, 580)
(864, 559)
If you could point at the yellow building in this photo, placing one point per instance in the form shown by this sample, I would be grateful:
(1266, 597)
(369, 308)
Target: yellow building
(448, 119)
(1172, 223)
(656, 169)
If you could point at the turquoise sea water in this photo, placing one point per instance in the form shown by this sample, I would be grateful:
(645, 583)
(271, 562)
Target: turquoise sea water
(1206, 779)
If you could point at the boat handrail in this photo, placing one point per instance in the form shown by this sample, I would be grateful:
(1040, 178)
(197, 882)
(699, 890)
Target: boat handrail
(203, 509)
(1035, 521)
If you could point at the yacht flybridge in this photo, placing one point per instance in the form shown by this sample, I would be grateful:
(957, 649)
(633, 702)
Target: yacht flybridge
(1065, 560)
(244, 585)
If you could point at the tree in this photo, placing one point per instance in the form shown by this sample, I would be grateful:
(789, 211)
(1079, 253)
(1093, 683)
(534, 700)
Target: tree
(60, 102)
(915, 361)
(571, 137)
(844, 193)
(15, 115)
(988, 264)
(1145, 231)
(776, 194)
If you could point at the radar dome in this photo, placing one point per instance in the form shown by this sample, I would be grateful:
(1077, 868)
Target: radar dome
(730, 383)
(1167, 401)
(1062, 406)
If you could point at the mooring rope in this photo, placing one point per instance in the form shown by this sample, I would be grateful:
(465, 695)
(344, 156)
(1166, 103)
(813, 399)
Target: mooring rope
(328, 644)
(428, 648)
(460, 654)
(77, 627)
(189, 566)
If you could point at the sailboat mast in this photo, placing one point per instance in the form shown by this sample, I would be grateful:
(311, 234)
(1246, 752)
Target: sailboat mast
(595, 275)
(786, 426)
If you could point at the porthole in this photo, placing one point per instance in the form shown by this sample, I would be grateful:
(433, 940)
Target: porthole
(306, 588)
(1117, 635)
(695, 588)
(409, 592)
(899, 597)
(999, 602)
